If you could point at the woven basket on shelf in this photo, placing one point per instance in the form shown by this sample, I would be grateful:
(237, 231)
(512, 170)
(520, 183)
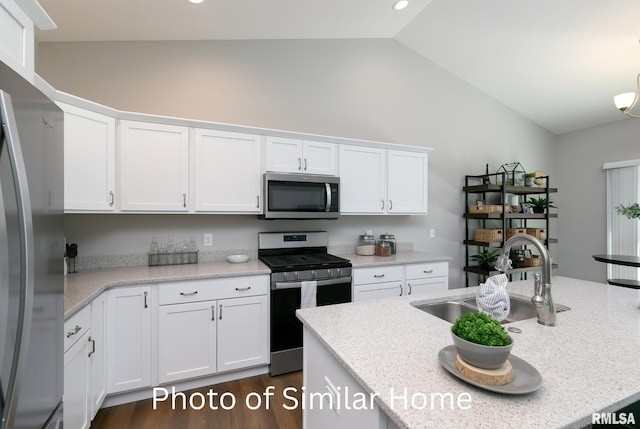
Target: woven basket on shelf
(533, 261)
(488, 208)
(487, 235)
(539, 233)
(513, 231)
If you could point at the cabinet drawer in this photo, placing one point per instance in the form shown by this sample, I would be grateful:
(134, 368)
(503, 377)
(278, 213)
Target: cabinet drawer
(212, 289)
(76, 327)
(377, 274)
(426, 270)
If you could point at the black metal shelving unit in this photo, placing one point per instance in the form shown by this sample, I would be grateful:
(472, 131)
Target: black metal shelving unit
(480, 187)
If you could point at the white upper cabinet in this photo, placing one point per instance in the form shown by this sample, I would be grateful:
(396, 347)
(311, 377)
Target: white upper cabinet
(154, 167)
(362, 180)
(406, 182)
(381, 181)
(16, 39)
(89, 160)
(287, 155)
(227, 172)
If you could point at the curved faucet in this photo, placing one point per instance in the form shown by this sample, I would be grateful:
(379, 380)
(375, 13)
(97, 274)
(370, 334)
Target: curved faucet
(542, 287)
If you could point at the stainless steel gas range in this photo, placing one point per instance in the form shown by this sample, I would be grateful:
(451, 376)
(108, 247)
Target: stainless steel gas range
(302, 274)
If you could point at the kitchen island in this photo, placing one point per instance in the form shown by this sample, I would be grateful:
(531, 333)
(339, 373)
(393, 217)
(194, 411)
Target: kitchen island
(389, 349)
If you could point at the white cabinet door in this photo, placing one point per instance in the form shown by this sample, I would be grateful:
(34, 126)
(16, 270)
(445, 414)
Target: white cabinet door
(406, 182)
(186, 340)
(154, 167)
(129, 338)
(227, 172)
(318, 158)
(362, 180)
(422, 286)
(243, 332)
(98, 355)
(287, 155)
(16, 39)
(283, 155)
(77, 380)
(89, 160)
(377, 291)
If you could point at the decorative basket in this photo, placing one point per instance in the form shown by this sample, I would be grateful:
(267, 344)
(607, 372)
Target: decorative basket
(533, 261)
(513, 231)
(488, 208)
(176, 258)
(487, 235)
(539, 233)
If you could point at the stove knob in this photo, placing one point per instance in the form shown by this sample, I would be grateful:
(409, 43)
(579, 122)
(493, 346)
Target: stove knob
(286, 276)
(296, 274)
(313, 274)
(330, 272)
(339, 271)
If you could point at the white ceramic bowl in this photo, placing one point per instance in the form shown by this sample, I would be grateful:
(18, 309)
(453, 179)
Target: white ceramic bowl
(237, 259)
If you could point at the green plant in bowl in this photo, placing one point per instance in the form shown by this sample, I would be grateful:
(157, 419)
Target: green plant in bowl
(481, 340)
(486, 258)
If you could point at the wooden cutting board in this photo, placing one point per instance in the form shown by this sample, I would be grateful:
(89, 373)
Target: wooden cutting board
(490, 377)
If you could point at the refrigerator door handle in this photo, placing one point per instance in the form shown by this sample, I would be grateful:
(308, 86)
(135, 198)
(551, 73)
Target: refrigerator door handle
(27, 271)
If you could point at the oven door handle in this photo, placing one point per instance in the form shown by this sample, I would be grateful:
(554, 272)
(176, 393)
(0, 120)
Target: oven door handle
(298, 285)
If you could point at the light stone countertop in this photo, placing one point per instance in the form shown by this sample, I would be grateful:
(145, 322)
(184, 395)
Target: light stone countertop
(588, 362)
(400, 258)
(80, 288)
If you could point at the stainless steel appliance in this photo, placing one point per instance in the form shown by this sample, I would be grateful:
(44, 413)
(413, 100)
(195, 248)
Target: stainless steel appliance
(301, 196)
(31, 256)
(297, 260)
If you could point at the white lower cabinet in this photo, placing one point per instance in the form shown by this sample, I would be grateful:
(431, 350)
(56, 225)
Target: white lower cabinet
(427, 277)
(377, 282)
(211, 326)
(243, 332)
(77, 370)
(97, 355)
(187, 340)
(388, 281)
(129, 338)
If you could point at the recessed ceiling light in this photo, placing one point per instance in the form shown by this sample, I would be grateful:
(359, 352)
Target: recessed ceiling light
(400, 4)
(196, 1)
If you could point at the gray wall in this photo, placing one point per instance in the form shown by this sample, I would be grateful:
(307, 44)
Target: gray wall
(582, 202)
(368, 89)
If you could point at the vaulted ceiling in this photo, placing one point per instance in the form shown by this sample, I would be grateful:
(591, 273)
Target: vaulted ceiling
(556, 62)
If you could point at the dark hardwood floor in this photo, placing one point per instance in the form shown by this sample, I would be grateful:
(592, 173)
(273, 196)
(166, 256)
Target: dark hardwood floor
(141, 415)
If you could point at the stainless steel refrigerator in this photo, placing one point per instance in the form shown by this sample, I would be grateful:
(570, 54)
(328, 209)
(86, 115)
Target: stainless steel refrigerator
(31, 256)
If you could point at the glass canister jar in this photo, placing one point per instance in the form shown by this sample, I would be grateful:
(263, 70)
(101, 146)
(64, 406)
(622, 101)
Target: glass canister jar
(383, 248)
(391, 239)
(366, 245)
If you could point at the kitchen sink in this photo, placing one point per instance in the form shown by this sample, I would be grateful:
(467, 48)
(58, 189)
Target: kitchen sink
(521, 309)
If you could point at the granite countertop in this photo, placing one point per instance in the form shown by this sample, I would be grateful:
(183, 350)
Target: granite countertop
(403, 257)
(586, 361)
(80, 288)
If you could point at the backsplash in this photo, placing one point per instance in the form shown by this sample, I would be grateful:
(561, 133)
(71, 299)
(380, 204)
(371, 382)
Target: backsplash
(85, 263)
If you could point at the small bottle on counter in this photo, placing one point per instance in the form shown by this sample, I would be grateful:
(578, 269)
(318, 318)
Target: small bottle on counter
(153, 247)
(366, 244)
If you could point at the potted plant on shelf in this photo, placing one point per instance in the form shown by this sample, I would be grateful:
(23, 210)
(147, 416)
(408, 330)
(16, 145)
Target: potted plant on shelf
(481, 340)
(486, 258)
(528, 179)
(631, 211)
(540, 204)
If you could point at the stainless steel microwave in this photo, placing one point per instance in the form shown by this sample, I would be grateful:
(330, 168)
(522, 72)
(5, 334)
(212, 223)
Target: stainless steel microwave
(301, 196)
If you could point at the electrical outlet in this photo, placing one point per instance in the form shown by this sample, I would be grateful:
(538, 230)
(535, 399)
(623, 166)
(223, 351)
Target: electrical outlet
(208, 240)
(432, 233)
